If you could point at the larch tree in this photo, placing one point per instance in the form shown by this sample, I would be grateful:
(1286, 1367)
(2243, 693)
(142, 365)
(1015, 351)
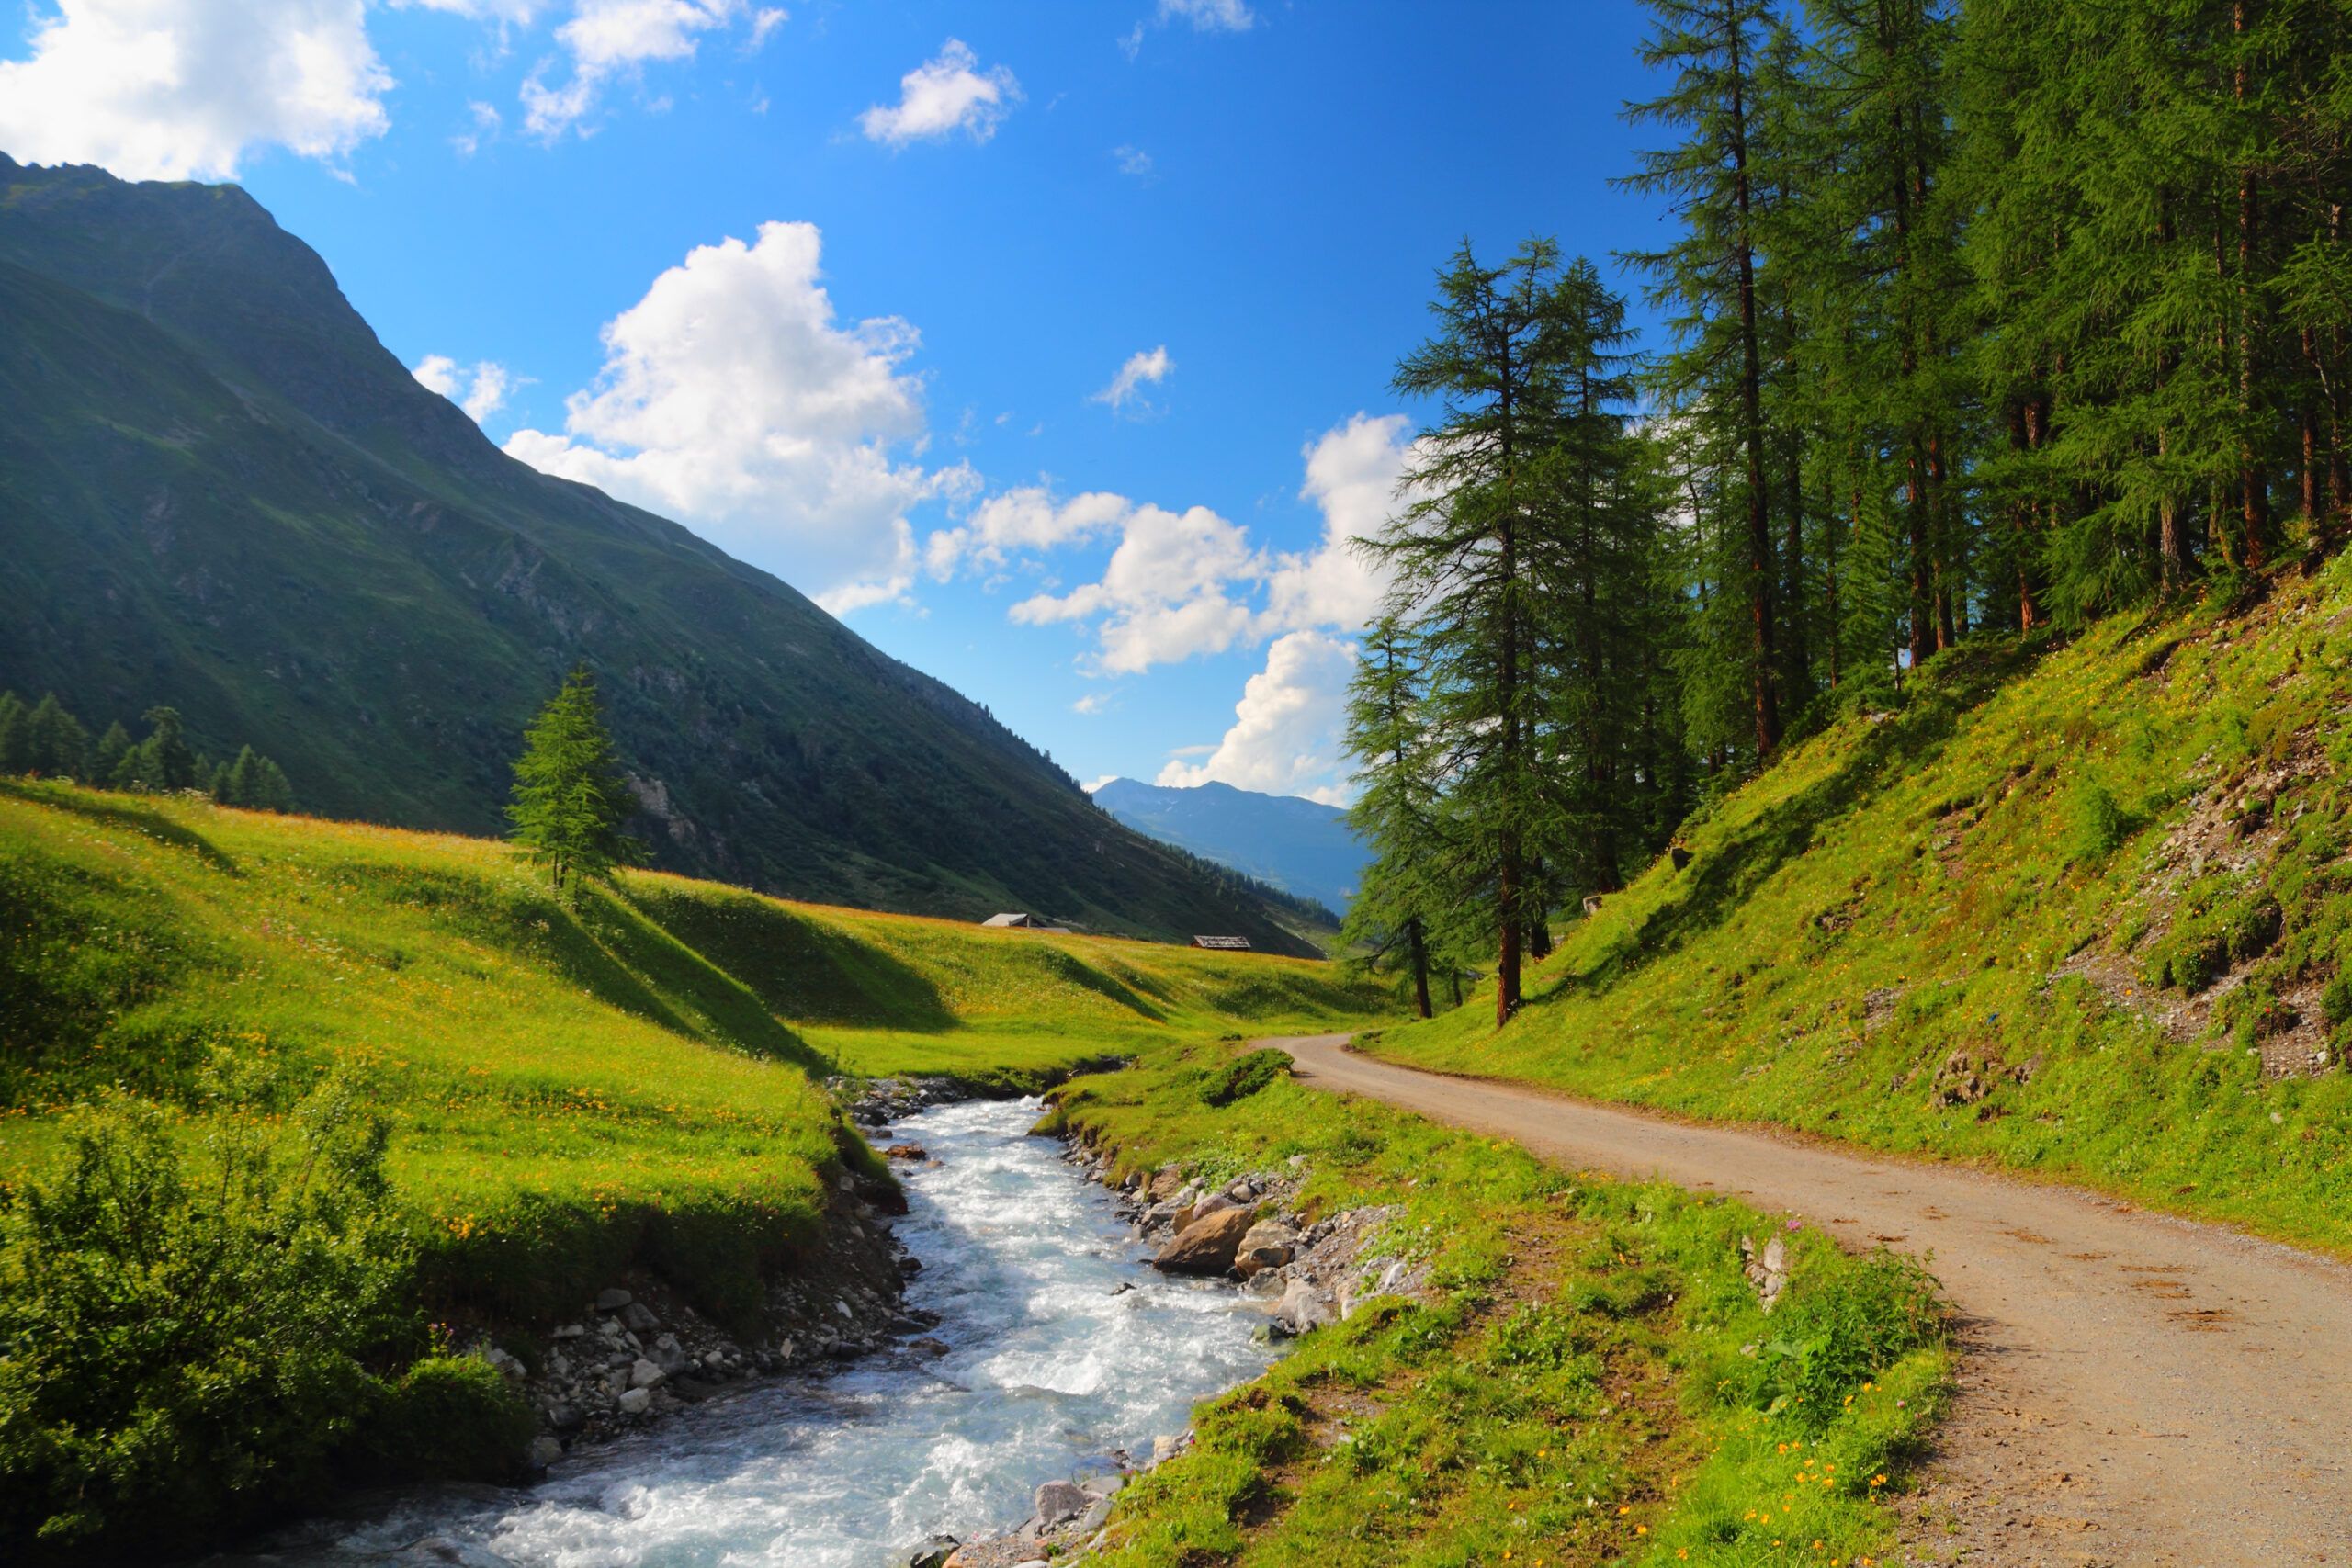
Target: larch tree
(1707, 279)
(570, 798)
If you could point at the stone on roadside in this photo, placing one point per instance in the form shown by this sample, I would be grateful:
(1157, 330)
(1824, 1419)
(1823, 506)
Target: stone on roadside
(640, 1317)
(544, 1451)
(637, 1401)
(612, 1300)
(645, 1374)
(1206, 1246)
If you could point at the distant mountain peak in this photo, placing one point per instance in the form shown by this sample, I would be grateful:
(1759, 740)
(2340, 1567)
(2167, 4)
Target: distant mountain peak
(1301, 846)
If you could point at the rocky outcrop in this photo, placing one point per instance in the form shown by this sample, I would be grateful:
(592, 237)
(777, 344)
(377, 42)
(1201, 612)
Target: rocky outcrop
(1767, 1270)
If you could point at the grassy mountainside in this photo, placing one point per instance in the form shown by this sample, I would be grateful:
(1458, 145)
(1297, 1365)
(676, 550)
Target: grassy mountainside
(2079, 908)
(565, 1086)
(219, 490)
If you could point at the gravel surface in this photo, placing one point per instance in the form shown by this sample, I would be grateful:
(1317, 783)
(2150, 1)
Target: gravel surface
(2134, 1389)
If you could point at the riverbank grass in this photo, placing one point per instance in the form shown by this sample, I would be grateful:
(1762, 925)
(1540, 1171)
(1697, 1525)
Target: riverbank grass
(1591, 1378)
(2081, 910)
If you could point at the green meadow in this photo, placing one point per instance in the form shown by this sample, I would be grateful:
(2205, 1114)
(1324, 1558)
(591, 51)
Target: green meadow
(633, 1076)
(2078, 908)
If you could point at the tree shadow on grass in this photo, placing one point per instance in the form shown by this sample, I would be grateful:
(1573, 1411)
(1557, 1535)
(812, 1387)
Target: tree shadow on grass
(604, 944)
(793, 966)
(1722, 878)
(123, 811)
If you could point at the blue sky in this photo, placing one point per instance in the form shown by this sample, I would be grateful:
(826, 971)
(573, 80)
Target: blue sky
(850, 289)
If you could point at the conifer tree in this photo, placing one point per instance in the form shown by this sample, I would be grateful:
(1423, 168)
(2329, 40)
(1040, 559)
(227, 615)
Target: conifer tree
(106, 757)
(266, 788)
(1398, 815)
(1466, 553)
(15, 738)
(1714, 179)
(163, 761)
(60, 747)
(570, 798)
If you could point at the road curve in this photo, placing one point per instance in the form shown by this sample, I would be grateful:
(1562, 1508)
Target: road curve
(2135, 1389)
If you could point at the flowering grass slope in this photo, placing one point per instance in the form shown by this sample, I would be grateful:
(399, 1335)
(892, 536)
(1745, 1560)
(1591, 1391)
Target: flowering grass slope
(2078, 908)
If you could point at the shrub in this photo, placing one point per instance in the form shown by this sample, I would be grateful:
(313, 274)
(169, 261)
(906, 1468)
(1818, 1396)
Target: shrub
(1837, 1328)
(448, 1415)
(2252, 928)
(2336, 1001)
(184, 1343)
(2096, 822)
(1244, 1076)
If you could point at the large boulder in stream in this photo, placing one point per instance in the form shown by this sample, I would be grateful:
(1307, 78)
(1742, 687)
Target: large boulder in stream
(1206, 1246)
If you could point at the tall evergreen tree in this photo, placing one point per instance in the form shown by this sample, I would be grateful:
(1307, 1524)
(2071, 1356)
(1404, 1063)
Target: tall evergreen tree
(1398, 812)
(1713, 179)
(1465, 554)
(16, 735)
(570, 799)
(58, 746)
(163, 761)
(106, 757)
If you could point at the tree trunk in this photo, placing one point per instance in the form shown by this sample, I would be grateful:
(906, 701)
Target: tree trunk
(2253, 488)
(1416, 951)
(1751, 401)
(1914, 500)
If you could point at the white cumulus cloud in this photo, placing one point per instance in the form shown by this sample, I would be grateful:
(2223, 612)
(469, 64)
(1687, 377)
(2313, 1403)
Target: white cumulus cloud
(1285, 733)
(732, 400)
(1203, 16)
(479, 389)
(186, 89)
(1145, 367)
(1027, 520)
(1164, 596)
(942, 95)
(610, 39)
(1210, 16)
(1352, 476)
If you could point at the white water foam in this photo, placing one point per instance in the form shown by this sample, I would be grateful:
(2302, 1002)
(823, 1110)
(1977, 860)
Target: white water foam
(1048, 1375)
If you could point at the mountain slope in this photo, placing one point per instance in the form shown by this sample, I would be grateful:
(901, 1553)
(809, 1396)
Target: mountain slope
(2083, 908)
(218, 489)
(1300, 846)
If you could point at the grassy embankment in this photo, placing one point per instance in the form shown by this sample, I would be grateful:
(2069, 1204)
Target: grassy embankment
(1591, 1381)
(2112, 875)
(570, 1089)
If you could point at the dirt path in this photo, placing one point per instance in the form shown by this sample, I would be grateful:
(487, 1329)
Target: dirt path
(2135, 1390)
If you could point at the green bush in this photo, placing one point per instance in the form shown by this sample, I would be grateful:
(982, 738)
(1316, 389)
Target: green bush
(1244, 1076)
(1838, 1328)
(2097, 820)
(2336, 1001)
(448, 1415)
(184, 1342)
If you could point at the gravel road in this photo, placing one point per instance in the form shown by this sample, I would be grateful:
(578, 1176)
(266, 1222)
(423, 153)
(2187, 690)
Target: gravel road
(2134, 1389)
